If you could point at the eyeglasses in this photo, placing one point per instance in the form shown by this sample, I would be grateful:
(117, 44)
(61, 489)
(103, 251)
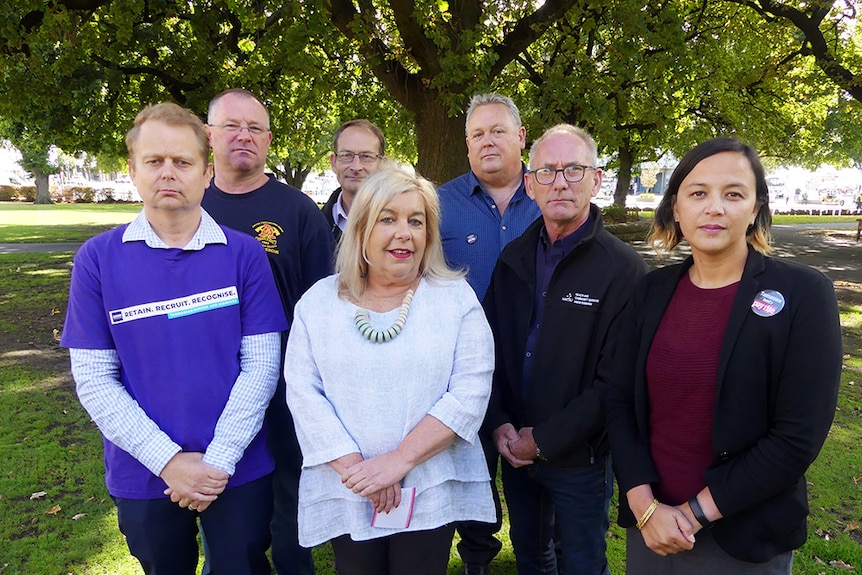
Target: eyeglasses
(572, 174)
(347, 157)
(253, 129)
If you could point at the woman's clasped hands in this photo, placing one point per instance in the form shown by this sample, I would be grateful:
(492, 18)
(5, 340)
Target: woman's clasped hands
(377, 478)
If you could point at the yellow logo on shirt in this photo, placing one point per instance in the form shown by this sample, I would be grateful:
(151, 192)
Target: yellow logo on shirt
(267, 235)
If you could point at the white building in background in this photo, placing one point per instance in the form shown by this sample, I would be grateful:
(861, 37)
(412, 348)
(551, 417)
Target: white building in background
(11, 171)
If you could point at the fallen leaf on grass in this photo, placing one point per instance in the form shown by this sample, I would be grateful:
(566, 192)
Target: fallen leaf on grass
(842, 565)
(38, 495)
(53, 511)
(823, 534)
(78, 516)
(851, 527)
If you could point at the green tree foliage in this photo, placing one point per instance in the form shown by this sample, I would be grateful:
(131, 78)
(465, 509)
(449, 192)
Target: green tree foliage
(91, 65)
(432, 55)
(827, 32)
(645, 77)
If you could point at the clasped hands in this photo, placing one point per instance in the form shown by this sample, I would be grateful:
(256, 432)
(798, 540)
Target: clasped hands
(377, 478)
(192, 483)
(517, 446)
(670, 529)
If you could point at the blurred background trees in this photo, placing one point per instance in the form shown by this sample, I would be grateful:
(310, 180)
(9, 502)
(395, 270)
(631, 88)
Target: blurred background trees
(646, 78)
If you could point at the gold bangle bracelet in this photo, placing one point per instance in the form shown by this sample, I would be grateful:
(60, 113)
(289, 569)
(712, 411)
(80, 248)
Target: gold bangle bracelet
(647, 514)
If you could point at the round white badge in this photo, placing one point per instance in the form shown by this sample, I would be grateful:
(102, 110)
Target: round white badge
(767, 303)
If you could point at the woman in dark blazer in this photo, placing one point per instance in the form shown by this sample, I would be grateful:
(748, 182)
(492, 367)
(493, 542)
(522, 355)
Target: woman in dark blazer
(727, 380)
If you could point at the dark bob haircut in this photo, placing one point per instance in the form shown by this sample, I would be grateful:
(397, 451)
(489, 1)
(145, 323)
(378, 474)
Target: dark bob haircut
(666, 234)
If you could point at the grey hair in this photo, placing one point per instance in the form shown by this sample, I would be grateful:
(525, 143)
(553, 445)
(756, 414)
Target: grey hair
(592, 148)
(484, 99)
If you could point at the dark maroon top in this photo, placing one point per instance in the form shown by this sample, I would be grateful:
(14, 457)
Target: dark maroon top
(682, 372)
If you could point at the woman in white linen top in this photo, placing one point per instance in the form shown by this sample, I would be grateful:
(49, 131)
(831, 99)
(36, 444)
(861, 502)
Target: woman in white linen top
(378, 410)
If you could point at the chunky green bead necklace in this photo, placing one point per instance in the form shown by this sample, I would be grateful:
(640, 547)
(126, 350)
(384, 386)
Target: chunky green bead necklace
(382, 336)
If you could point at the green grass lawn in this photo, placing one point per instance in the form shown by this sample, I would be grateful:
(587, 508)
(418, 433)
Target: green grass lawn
(30, 223)
(48, 444)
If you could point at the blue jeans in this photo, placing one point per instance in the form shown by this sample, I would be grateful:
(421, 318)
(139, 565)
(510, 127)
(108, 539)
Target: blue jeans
(576, 499)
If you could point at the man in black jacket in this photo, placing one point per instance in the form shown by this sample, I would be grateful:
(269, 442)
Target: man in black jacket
(554, 304)
(359, 150)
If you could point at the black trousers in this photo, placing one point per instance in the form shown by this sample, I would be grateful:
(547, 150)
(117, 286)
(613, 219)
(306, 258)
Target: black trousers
(408, 553)
(163, 536)
(478, 546)
(288, 557)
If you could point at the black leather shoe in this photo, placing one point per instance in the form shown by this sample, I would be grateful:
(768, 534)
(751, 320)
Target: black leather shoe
(477, 569)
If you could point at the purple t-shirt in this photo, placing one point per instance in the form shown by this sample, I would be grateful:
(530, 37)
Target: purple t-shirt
(176, 319)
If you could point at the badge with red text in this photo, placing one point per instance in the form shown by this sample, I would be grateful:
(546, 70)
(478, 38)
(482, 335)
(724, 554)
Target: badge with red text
(767, 303)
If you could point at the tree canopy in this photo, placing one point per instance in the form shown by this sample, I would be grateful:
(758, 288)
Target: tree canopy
(644, 77)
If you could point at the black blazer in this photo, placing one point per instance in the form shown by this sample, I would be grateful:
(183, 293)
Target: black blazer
(776, 393)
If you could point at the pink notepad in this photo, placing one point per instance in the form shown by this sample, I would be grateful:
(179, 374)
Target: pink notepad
(399, 517)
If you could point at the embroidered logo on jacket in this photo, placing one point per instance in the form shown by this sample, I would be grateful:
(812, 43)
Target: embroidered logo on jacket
(179, 307)
(580, 299)
(267, 235)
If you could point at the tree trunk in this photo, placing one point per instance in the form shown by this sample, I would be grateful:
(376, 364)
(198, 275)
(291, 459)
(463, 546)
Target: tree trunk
(440, 142)
(296, 177)
(43, 193)
(624, 176)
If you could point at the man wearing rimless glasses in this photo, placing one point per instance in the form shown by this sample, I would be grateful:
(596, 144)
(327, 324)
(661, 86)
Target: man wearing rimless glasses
(297, 241)
(358, 151)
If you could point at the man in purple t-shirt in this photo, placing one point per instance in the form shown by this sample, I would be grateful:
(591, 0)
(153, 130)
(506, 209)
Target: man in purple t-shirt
(174, 329)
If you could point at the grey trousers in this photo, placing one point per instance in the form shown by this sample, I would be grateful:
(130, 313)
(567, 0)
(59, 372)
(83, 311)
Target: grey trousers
(707, 558)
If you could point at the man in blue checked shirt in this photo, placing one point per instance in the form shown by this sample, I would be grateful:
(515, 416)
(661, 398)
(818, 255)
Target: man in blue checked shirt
(481, 212)
(174, 329)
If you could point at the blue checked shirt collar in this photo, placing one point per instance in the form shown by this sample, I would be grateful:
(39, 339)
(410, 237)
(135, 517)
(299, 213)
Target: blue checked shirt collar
(208, 232)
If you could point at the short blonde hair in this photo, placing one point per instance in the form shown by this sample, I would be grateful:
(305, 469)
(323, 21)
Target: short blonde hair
(172, 115)
(371, 198)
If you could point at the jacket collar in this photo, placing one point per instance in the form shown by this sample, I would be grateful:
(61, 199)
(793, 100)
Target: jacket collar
(521, 253)
(749, 285)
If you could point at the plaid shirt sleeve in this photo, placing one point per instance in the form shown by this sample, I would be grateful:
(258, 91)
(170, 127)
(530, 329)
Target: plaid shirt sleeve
(243, 415)
(117, 415)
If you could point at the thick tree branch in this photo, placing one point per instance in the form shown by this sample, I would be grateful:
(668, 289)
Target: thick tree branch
(397, 80)
(421, 48)
(526, 31)
(176, 87)
(809, 25)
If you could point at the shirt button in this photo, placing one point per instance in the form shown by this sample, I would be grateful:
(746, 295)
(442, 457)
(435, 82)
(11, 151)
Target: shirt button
(537, 325)
(504, 228)
(529, 354)
(494, 206)
(544, 294)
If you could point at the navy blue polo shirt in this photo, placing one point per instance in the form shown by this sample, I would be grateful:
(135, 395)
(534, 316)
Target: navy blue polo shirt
(473, 231)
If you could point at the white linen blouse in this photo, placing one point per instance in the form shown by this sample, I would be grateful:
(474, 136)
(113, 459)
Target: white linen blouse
(349, 395)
